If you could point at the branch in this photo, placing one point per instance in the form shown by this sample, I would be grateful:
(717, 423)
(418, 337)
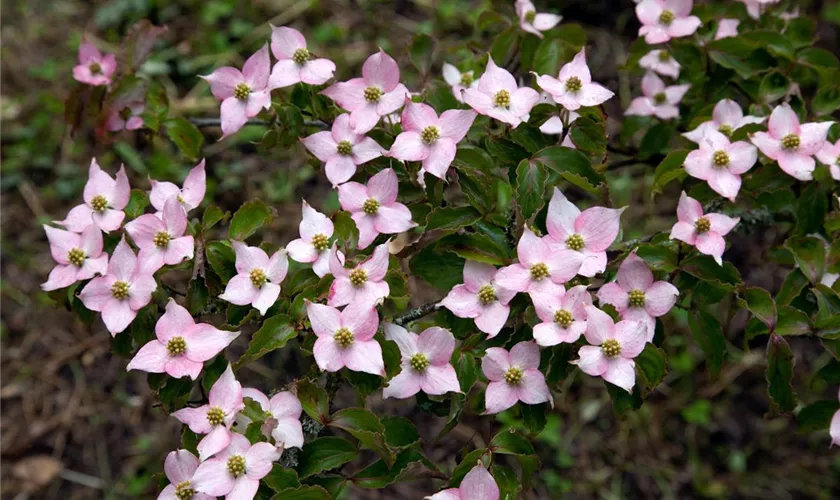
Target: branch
(217, 122)
(416, 313)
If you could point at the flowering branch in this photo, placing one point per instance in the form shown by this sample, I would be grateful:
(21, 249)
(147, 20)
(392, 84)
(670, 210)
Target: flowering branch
(415, 314)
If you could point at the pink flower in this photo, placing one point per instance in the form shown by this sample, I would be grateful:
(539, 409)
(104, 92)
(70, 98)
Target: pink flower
(663, 20)
(657, 100)
(573, 87)
(126, 116)
(342, 150)
(182, 345)
(660, 61)
(236, 471)
(613, 347)
(374, 207)
(378, 93)
(514, 376)
(586, 235)
(532, 22)
(190, 196)
(285, 409)
(478, 484)
(834, 431)
(216, 417)
(125, 289)
(313, 246)
(480, 298)
(705, 232)
(721, 163)
(563, 315)
(636, 296)
(346, 338)
(94, 68)
(294, 61)
(458, 81)
(755, 7)
(243, 93)
(829, 154)
(161, 240)
(554, 126)
(727, 117)
(77, 257)
(792, 145)
(258, 278)
(364, 285)
(180, 466)
(498, 96)
(430, 139)
(105, 199)
(425, 362)
(727, 28)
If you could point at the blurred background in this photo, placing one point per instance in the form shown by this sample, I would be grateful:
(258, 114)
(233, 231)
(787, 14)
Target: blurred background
(75, 425)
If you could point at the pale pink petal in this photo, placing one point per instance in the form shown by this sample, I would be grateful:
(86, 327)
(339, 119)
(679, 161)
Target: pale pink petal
(615, 295)
(79, 218)
(179, 367)
(462, 302)
(477, 274)
(120, 192)
(440, 379)
(180, 465)
(362, 320)
(725, 183)
(834, 430)
(317, 71)
(634, 273)
(97, 294)
(256, 69)
(531, 250)
(812, 137)
(561, 217)
(117, 315)
(285, 41)
(451, 75)
(688, 209)
(437, 344)
(797, 165)
(383, 186)
(640, 106)
(478, 484)
(660, 298)
(599, 326)
(257, 396)
(450, 494)
(381, 70)
(591, 360)
(223, 81)
(418, 116)
(288, 433)
(227, 393)
(322, 145)
(591, 263)
(522, 100)
(301, 251)
(62, 276)
(212, 478)
(742, 157)
(327, 354)
(195, 418)
(722, 224)
(533, 389)
(339, 169)
(377, 265)
(495, 363)
(352, 196)
(259, 458)
(239, 290)
(366, 150)
(206, 341)
(151, 358)
(499, 397)
(599, 227)
(349, 95)
(545, 22)
(257, 101)
(175, 321)
(162, 191)
(711, 244)
(249, 258)
(684, 26)
(621, 372)
(698, 164)
(233, 115)
(514, 277)
(478, 100)
(265, 297)
(405, 340)
(88, 52)
(675, 93)
(455, 123)
(367, 228)
(441, 154)
(195, 186)
(392, 219)
(364, 356)
(404, 385)
(648, 11)
(552, 126)
(783, 121)
(652, 85)
(727, 112)
(492, 318)
(593, 94)
(577, 67)
(285, 72)
(525, 355)
(391, 101)
(495, 79)
(278, 266)
(409, 147)
(632, 336)
(768, 145)
(683, 231)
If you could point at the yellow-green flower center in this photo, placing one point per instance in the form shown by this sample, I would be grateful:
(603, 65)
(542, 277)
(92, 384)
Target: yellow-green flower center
(236, 465)
(95, 68)
(183, 491)
(563, 318)
(486, 294)
(430, 134)
(241, 91)
(371, 206)
(181, 199)
(258, 277)
(301, 56)
(502, 99)
(99, 203)
(513, 376)
(125, 113)
(176, 346)
(373, 93)
(539, 271)
(343, 337)
(530, 16)
(790, 142)
(720, 159)
(666, 17)
(467, 78)
(664, 56)
(345, 148)
(726, 130)
(660, 98)
(358, 276)
(573, 84)
(636, 298)
(215, 415)
(611, 348)
(575, 242)
(703, 225)
(161, 239)
(119, 290)
(321, 242)
(419, 362)
(76, 256)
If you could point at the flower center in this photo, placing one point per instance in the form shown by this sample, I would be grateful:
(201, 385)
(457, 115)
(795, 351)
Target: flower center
(703, 225)
(301, 56)
(358, 276)
(575, 242)
(563, 318)
(321, 242)
(236, 465)
(215, 415)
(161, 239)
(611, 348)
(241, 91)
(726, 130)
(539, 271)
(76, 256)
(176, 346)
(95, 68)
(181, 199)
(502, 99)
(119, 290)
(790, 141)
(372, 94)
(573, 84)
(99, 203)
(371, 206)
(513, 376)
(664, 56)
(720, 159)
(486, 294)
(530, 16)
(666, 17)
(125, 113)
(430, 134)
(258, 277)
(467, 79)
(345, 148)
(343, 337)
(660, 98)
(183, 491)
(636, 298)
(419, 362)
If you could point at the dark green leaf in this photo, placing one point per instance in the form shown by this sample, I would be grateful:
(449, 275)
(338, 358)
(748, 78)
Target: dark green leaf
(281, 478)
(400, 432)
(708, 334)
(759, 302)
(811, 209)
(572, 165)
(366, 427)
(186, 136)
(274, 333)
(809, 253)
(422, 52)
(656, 140)
(137, 204)
(510, 442)
(505, 45)
(221, 258)
(652, 365)
(325, 453)
(314, 400)
(670, 169)
(303, 493)
(589, 136)
(442, 270)
(705, 268)
(212, 216)
(817, 416)
(452, 218)
(250, 217)
(780, 363)
(792, 322)
(530, 187)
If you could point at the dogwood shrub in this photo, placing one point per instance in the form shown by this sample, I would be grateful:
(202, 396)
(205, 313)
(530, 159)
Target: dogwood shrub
(514, 228)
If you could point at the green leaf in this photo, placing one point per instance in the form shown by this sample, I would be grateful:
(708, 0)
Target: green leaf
(400, 432)
(422, 52)
(510, 442)
(221, 258)
(212, 216)
(773, 86)
(303, 493)
(809, 253)
(137, 204)
(475, 246)
(274, 333)
(281, 478)
(572, 165)
(250, 217)
(409, 465)
(759, 302)
(829, 373)
(325, 453)
(534, 417)
(773, 41)
(549, 56)
(818, 58)
(531, 177)
(817, 416)
(705, 268)
(442, 270)
(452, 218)
(589, 136)
(780, 363)
(186, 136)
(505, 46)
(658, 257)
(530, 138)
(827, 100)
(313, 400)
(669, 169)
(791, 287)
(792, 322)
(827, 320)
(707, 332)
(366, 427)
(656, 140)
(652, 365)
(811, 209)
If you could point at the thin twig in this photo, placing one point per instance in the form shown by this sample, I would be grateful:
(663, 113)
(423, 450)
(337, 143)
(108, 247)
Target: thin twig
(217, 122)
(416, 313)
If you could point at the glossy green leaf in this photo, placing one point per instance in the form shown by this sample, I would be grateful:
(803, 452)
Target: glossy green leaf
(325, 453)
(780, 363)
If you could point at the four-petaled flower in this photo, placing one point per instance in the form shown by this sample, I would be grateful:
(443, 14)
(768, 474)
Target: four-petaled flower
(663, 20)
(190, 196)
(792, 145)
(313, 246)
(727, 117)
(376, 94)
(374, 207)
(258, 278)
(243, 93)
(480, 298)
(498, 96)
(105, 198)
(78, 256)
(182, 345)
(162, 240)
(294, 61)
(365, 284)
(122, 291)
(345, 338)
(94, 68)
(612, 348)
(342, 149)
(430, 139)
(563, 316)
(829, 154)
(721, 163)
(284, 410)
(657, 99)
(660, 61)
(514, 376)
(425, 362)
(574, 87)
(125, 116)
(180, 466)
(636, 296)
(705, 232)
(478, 484)
(458, 81)
(236, 471)
(216, 417)
(533, 22)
